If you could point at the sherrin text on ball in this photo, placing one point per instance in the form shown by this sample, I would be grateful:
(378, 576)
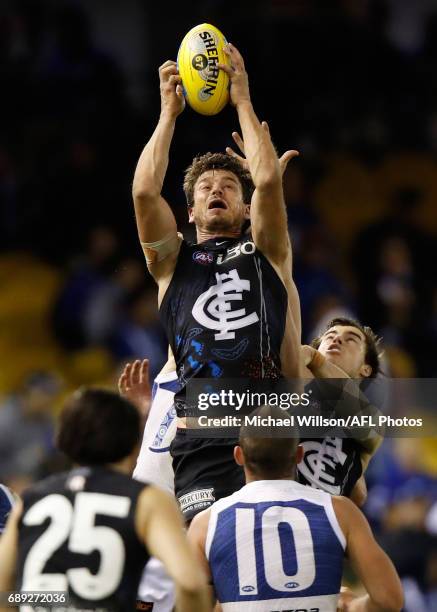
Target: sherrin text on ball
(206, 87)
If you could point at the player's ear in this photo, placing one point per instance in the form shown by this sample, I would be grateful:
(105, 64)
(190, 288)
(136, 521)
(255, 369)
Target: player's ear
(247, 211)
(132, 459)
(238, 455)
(299, 453)
(190, 215)
(365, 370)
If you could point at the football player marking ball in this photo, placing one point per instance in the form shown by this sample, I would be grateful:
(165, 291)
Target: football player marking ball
(206, 87)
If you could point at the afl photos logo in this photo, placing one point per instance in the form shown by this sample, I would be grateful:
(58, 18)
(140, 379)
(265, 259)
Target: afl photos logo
(213, 307)
(201, 257)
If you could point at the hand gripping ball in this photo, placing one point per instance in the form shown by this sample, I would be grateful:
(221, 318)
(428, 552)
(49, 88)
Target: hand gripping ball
(206, 87)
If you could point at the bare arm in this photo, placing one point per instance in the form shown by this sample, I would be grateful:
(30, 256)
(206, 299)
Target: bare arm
(8, 553)
(289, 354)
(154, 217)
(283, 160)
(268, 214)
(159, 524)
(197, 538)
(371, 563)
(359, 492)
(318, 365)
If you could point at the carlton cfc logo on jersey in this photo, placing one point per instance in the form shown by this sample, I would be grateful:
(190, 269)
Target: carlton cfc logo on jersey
(319, 463)
(201, 257)
(213, 307)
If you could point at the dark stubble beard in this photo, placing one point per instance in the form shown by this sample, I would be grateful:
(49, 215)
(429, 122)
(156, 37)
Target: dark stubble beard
(217, 224)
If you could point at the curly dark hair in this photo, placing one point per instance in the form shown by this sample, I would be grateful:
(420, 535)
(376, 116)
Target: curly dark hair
(217, 161)
(373, 349)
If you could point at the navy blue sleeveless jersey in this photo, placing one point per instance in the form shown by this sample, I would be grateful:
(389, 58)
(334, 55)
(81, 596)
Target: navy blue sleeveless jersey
(331, 464)
(224, 312)
(77, 534)
(275, 545)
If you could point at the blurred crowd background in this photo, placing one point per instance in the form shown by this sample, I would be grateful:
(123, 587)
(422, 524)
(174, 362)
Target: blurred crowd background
(352, 84)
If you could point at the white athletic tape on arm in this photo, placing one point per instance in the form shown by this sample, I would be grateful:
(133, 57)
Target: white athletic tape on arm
(157, 251)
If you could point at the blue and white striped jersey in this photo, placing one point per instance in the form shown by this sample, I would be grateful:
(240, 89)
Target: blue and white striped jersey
(274, 546)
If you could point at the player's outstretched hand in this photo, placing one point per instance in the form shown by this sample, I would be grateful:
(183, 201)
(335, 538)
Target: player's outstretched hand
(283, 160)
(239, 89)
(170, 85)
(134, 385)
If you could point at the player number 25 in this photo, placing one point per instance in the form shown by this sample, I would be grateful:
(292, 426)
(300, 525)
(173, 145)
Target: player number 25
(78, 525)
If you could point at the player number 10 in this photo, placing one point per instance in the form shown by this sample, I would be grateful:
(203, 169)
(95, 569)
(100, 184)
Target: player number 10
(271, 551)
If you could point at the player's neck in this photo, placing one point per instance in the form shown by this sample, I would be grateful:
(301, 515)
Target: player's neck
(204, 235)
(123, 467)
(255, 478)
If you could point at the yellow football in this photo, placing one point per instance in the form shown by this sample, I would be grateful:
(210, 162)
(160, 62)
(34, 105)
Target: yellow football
(206, 87)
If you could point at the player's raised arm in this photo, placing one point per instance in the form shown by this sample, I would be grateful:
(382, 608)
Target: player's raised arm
(155, 221)
(283, 160)
(268, 214)
(282, 265)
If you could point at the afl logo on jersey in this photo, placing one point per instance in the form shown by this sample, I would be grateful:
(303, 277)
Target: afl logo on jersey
(203, 258)
(291, 585)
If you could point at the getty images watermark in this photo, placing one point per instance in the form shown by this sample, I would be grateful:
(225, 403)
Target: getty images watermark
(341, 407)
(238, 400)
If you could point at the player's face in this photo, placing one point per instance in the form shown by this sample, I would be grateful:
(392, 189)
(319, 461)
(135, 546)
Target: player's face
(218, 202)
(345, 346)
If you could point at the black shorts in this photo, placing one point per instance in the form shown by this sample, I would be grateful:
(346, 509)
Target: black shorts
(204, 471)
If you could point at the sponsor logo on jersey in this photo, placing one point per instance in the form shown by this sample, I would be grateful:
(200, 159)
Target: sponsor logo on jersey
(213, 307)
(201, 497)
(242, 248)
(201, 257)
